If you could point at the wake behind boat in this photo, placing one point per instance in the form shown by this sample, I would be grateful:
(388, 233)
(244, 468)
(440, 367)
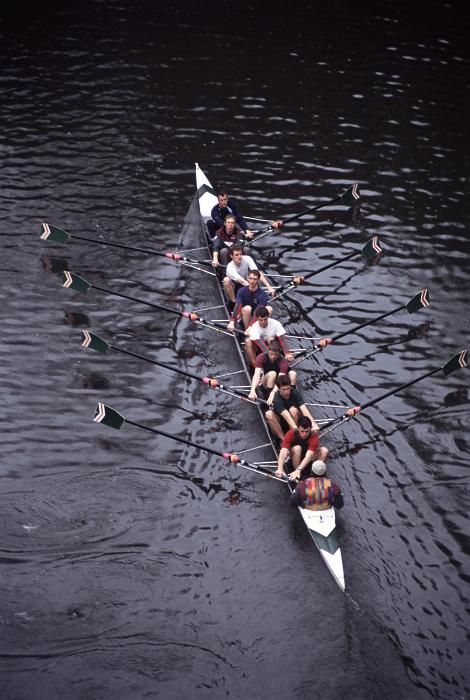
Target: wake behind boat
(321, 524)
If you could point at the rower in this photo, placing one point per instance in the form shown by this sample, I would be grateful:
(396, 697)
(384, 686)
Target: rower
(225, 238)
(249, 295)
(318, 492)
(261, 332)
(301, 447)
(237, 273)
(226, 206)
(287, 408)
(268, 366)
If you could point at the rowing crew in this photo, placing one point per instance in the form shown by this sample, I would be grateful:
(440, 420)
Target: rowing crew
(268, 355)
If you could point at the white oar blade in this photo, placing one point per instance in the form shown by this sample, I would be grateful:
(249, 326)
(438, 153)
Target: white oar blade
(108, 416)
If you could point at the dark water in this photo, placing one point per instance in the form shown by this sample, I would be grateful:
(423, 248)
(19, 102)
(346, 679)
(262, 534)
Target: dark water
(133, 566)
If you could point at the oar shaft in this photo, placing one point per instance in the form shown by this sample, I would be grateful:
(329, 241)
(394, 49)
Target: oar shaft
(330, 265)
(161, 307)
(367, 323)
(308, 211)
(121, 245)
(233, 459)
(398, 389)
(155, 362)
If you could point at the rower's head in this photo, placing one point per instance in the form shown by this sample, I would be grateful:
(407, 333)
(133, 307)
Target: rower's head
(318, 467)
(262, 316)
(236, 252)
(222, 198)
(284, 386)
(229, 223)
(274, 350)
(253, 279)
(304, 426)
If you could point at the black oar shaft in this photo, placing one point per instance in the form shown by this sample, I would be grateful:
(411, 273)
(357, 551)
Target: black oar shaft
(225, 389)
(398, 389)
(330, 265)
(155, 362)
(161, 307)
(367, 323)
(308, 211)
(224, 455)
(121, 245)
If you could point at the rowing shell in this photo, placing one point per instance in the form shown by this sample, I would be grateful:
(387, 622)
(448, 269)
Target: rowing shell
(320, 524)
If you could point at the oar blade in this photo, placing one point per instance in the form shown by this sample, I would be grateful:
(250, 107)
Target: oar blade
(372, 249)
(93, 341)
(52, 233)
(108, 416)
(351, 195)
(73, 281)
(419, 301)
(456, 362)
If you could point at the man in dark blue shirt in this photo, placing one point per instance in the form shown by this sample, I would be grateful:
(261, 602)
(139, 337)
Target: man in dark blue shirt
(247, 299)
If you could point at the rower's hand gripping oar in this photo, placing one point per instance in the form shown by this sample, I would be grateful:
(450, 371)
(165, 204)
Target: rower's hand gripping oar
(456, 362)
(108, 416)
(94, 342)
(349, 197)
(418, 302)
(370, 252)
(73, 281)
(58, 235)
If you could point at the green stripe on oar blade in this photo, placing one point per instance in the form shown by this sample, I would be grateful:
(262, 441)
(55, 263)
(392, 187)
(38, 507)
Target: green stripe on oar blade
(108, 416)
(93, 341)
(52, 233)
(456, 362)
(73, 281)
(419, 301)
(351, 195)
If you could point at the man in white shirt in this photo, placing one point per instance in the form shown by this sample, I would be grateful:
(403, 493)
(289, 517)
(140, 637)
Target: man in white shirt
(260, 334)
(237, 273)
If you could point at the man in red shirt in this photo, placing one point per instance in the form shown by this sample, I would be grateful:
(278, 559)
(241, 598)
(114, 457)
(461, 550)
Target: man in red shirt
(301, 447)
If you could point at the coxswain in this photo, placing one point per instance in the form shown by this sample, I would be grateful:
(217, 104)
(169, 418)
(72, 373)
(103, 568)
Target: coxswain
(287, 408)
(301, 447)
(268, 367)
(226, 236)
(261, 332)
(318, 492)
(249, 297)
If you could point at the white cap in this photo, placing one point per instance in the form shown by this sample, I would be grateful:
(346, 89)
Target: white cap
(319, 467)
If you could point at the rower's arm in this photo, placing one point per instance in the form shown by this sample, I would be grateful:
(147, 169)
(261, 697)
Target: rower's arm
(288, 418)
(306, 460)
(265, 282)
(305, 412)
(254, 383)
(283, 455)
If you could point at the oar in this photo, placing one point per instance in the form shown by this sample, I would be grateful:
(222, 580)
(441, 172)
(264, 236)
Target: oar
(73, 281)
(349, 197)
(58, 235)
(456, 362)
(369, 252)
(418, 302)
(108, 416)
(93, 341)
